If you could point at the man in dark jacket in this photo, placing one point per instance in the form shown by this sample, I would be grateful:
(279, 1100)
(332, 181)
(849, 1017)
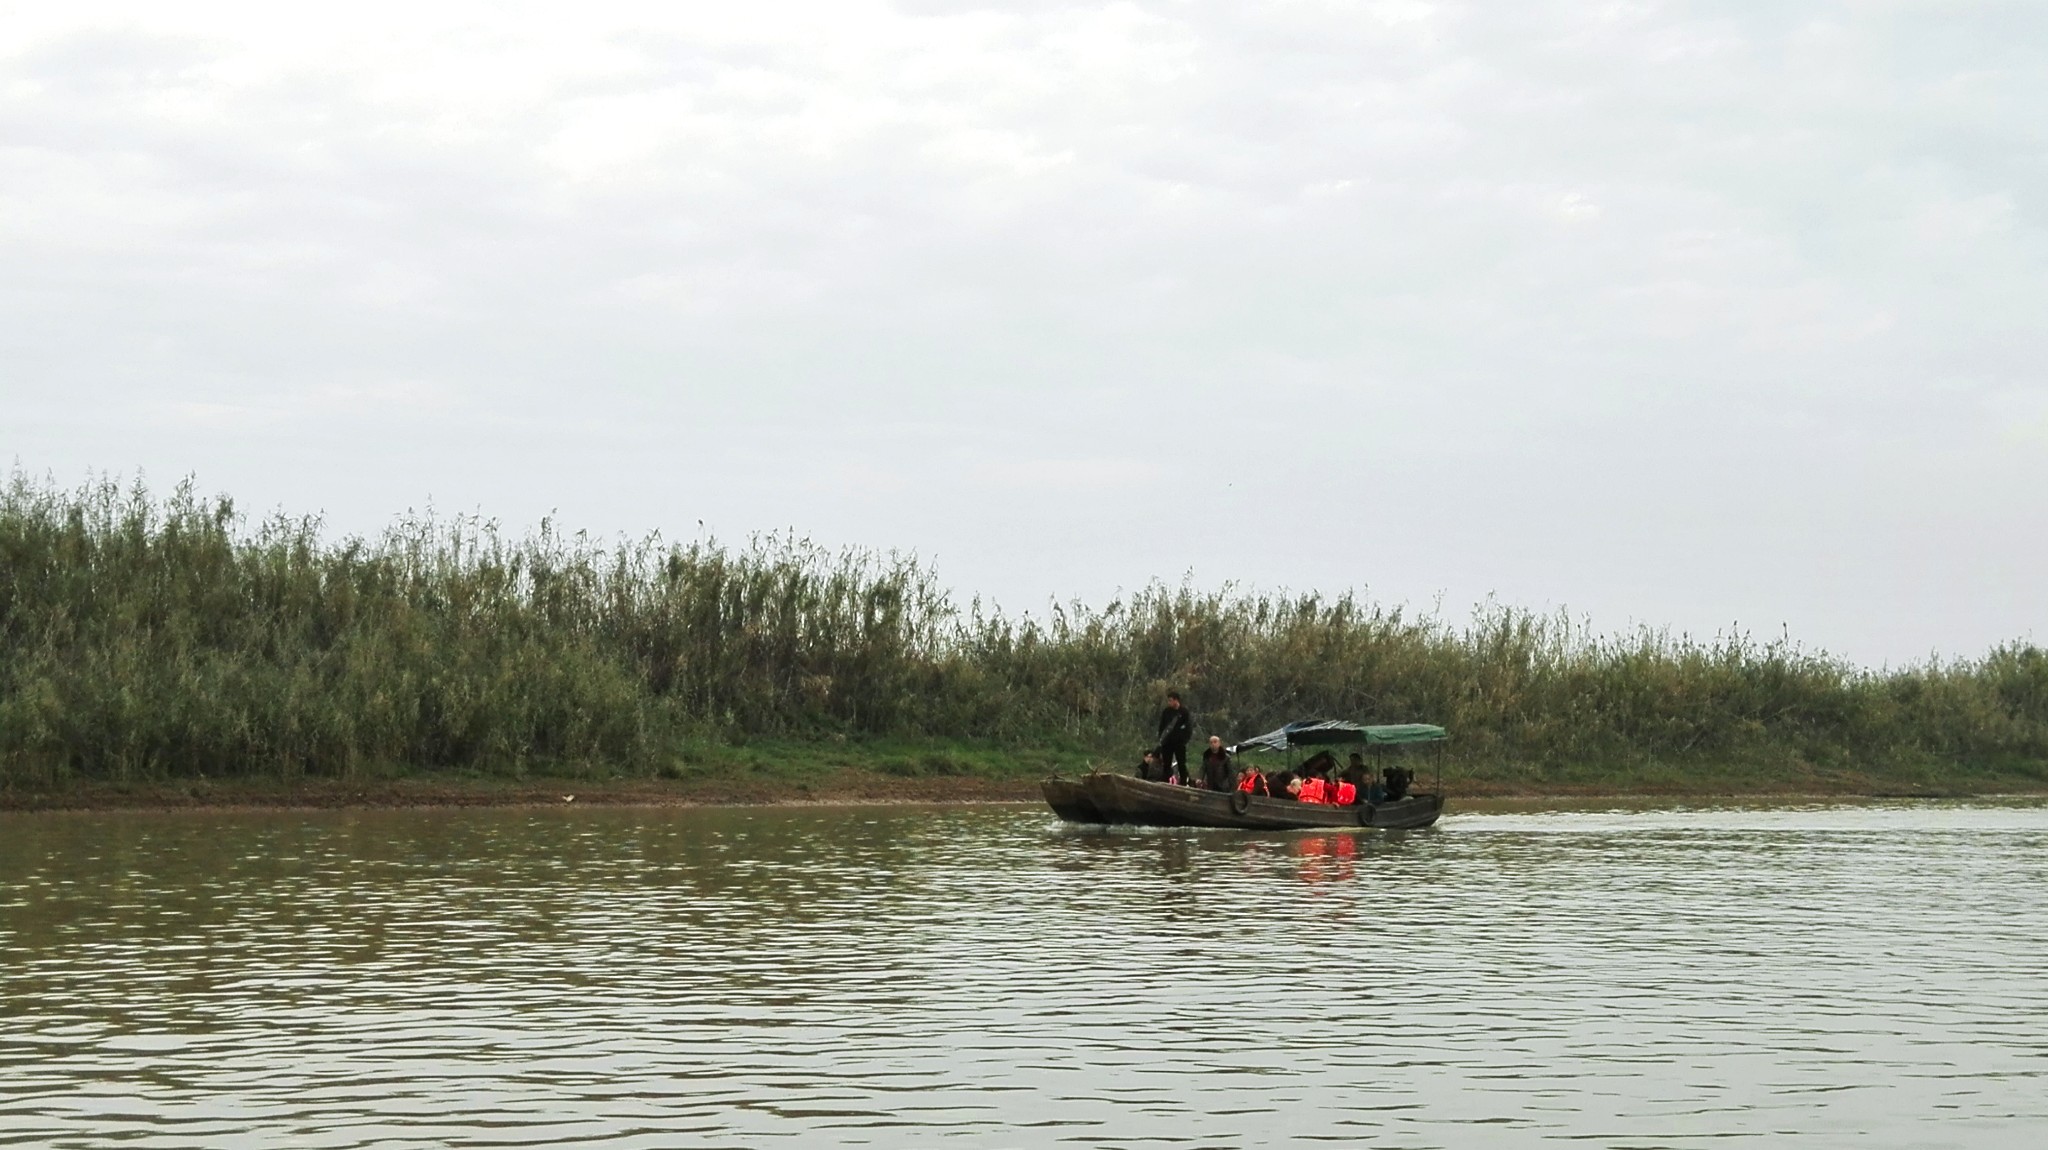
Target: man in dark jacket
(1217, 773)
(1176, 727)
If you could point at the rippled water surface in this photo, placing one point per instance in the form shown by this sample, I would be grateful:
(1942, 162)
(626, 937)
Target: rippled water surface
(1866, 976)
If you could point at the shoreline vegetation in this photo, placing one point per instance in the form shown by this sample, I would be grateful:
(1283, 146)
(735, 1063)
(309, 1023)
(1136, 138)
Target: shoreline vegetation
(169, 651)
(799, 783)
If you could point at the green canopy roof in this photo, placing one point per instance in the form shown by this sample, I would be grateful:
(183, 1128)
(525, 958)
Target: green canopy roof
(1328, 732)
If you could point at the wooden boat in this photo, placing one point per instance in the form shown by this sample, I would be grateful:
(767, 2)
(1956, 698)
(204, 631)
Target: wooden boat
(1069, 799)
(1106, 798)
(1122, 799)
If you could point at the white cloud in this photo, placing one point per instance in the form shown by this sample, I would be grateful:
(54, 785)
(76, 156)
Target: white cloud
(1040, 477)
(2021, 413)
(1000, 275)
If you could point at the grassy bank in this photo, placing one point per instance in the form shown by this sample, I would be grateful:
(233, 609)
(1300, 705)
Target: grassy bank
(808, 771)
(158, 642)
(768, 771)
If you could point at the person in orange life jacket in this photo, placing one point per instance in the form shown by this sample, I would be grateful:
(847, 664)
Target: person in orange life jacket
(1176, 727)
(1314, 776)
(1251, 782)
(1216, 772)
(1309, 790)
(1343, 794)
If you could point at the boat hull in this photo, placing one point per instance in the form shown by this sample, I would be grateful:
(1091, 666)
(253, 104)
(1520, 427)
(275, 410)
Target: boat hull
(1121, 799)
(1069, 799)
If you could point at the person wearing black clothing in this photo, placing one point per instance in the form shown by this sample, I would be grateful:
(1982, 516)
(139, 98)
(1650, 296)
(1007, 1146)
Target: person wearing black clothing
(1217, 774)
(1176, 727)
(1398, 779)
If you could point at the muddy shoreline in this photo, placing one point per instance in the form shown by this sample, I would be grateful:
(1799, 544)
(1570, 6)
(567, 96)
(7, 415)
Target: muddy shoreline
(848, 787)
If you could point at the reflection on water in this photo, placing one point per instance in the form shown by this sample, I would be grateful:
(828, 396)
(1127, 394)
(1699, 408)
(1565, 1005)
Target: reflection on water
(1326, 858)
(986, 977)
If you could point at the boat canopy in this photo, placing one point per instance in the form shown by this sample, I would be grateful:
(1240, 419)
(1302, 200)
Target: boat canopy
(1326, 732)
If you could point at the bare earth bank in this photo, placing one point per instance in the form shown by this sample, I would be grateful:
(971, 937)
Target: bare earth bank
(847, 786)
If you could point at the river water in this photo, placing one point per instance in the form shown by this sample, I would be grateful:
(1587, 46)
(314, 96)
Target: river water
(1870, 976)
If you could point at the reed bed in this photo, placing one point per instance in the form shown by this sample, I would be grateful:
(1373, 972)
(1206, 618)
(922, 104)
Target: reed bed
(145, 638)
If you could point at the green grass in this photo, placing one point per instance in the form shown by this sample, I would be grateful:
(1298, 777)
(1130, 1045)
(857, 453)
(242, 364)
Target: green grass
(810, 759)
(160, 639)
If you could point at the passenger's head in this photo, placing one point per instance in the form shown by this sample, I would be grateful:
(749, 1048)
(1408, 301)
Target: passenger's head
(1294, 786)
(1173, 698)
(1215, 742)
(1357, 760)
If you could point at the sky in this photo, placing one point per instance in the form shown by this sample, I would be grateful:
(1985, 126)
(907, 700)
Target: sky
(1710, 316)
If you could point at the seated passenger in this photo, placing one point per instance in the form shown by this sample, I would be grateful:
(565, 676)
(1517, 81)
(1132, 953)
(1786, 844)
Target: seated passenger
(1157, 768)
(1310, 790)
(1344, 794)
(1397, 779)
(1251, 782)
(1357, 773)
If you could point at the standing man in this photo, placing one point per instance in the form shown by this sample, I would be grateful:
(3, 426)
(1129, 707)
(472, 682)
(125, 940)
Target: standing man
(1176, 727)
(1216, 772)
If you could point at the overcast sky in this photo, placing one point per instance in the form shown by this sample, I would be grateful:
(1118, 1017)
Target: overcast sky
(1707, 315)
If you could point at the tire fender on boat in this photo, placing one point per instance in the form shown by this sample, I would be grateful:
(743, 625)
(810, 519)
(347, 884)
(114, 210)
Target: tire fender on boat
(1365, 815)
(1240, 802)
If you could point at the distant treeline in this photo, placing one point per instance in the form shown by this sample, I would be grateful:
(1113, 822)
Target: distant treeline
(146, 638)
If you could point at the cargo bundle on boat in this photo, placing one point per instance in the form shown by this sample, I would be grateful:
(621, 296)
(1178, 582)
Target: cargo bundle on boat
(1101, 797)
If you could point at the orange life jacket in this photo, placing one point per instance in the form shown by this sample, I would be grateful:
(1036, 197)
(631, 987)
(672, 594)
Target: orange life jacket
(1346, 794)
(1312, 790)
(1251, 783)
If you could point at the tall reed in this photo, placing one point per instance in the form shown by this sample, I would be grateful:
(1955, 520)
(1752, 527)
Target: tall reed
(146, 638)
